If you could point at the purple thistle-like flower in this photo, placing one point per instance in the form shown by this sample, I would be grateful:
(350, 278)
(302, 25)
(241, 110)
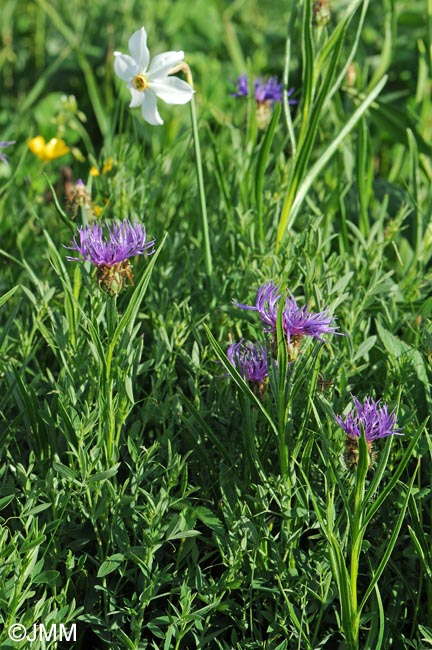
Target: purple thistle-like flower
(124, 240)
(377, 422)
(264, 92)
(251, 360)
(2, 146)
(272, 90)
(242, 86)
(111, 255)
(296, 321)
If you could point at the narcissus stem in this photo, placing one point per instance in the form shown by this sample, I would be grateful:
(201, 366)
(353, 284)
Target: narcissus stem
(183, 67)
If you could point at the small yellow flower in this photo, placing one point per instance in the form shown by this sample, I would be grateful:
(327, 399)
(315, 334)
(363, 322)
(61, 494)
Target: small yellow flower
(97, 210)
(47, 151)
(107, 166)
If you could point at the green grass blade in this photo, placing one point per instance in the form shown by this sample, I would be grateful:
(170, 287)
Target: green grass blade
(261, 166)
(131, 312)
(391, 544)
(238, 380)
(5, 297)
(287, 220)
(417, 533)
(287, 109)
(308, 56)
(376, 634)
(349, 59)
(397, 472)
(206, 429)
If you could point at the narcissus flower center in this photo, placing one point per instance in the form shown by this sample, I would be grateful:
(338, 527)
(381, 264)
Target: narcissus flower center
(140, 82)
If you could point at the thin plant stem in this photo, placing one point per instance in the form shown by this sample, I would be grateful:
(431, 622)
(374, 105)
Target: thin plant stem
(357, 533)
(203, 204)
(183, 67)
(287, 111)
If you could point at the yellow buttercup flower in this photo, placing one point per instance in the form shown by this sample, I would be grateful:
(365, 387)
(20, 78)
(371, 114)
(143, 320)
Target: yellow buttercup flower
(107, 167)
(47, 151)
(97, 211)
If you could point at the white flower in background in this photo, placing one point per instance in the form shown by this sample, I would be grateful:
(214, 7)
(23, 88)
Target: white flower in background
(146, 82)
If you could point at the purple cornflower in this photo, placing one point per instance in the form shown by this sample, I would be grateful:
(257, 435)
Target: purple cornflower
(242, 86)
(111, 255)
(2, 146)
(377, 422)
(297, 322)
(124, 241)
(251, 361)
(272, 90)
(265, 92)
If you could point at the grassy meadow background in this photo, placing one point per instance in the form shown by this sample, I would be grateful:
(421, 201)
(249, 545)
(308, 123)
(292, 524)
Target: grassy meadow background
(144, 494)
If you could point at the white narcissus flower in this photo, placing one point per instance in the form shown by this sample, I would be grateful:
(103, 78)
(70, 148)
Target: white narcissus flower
(146, 82)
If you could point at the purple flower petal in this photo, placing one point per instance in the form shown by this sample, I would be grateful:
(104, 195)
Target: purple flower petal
(375, 419)
(269, 91)
(296, 321)
(251, 360)
(242, 86)
(124, 240)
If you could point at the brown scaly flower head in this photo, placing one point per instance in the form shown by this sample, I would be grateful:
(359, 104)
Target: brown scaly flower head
(77, 196)
(321, 12)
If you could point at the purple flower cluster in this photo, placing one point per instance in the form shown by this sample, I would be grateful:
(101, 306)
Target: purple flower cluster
(375, 419)
(269, 91)
(124, 240)
(111, 254)
(251, 360)
(3, 145)
(296, 321)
